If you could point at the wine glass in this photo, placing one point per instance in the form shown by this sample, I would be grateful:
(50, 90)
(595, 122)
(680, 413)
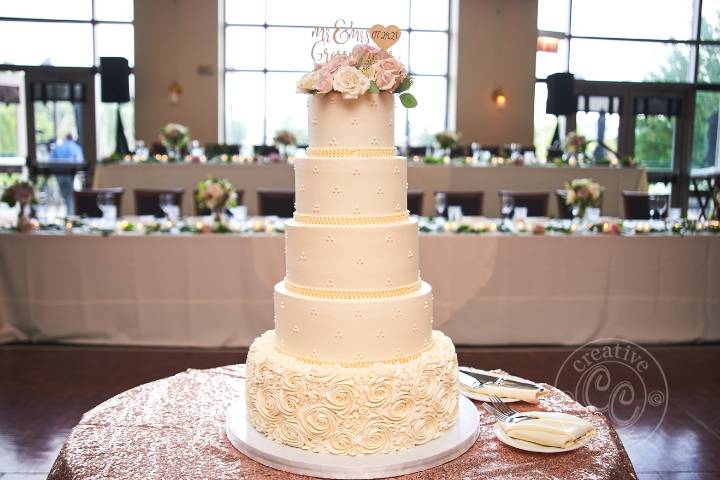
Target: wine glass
(507, 205)
(662, 205)
(440, 203)
(167, 205)
(106, 204)
(652, 205)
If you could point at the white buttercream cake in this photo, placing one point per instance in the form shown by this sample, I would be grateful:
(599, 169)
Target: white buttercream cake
(353, 365)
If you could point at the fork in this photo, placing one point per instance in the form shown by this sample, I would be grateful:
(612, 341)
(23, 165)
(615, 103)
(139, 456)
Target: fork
(504, 412)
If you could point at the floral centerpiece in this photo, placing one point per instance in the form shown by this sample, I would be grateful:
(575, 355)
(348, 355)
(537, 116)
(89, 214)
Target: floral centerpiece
(215, 194)
(368, 69)
(447, 139)
(575, 146)
(283, 139)
(20, 193)
(174, 137)
(582, 193)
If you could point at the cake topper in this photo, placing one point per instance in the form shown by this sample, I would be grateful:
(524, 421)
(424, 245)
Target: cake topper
(331, 41)
(364, 69)
(384, 37)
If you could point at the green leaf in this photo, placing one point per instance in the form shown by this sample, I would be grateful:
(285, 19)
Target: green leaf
(373, 88)
(405, 84)
(408, 100)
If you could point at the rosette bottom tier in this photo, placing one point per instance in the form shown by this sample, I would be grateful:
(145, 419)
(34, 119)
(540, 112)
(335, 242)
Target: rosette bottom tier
(349, 410)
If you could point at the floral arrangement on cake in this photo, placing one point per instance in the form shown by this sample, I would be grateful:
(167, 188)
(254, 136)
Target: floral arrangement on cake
(174, 137)
(447, 139)
(582, 193)
(284, 137)
(215, 194)
(368, 69)
(20, 193)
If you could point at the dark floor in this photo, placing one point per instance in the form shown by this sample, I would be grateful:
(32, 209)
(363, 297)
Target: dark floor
(45, 389)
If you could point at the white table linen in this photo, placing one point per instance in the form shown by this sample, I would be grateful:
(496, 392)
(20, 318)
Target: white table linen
(216, 290)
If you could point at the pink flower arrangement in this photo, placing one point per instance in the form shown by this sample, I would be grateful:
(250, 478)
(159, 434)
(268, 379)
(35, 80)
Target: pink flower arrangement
(366, 69)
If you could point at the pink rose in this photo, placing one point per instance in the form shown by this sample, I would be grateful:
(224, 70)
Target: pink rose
(391, 64)
(385, 79)
(363, 54)
(322, 81)
(334, 63)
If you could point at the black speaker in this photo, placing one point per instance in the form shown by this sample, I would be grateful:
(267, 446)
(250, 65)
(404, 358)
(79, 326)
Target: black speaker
(561, 99)
(114, 84)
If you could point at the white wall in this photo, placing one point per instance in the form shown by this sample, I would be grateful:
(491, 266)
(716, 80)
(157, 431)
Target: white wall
(496, 47)
(172, 39)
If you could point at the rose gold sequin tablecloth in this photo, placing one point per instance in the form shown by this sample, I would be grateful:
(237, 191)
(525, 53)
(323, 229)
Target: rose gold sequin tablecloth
(174, 428)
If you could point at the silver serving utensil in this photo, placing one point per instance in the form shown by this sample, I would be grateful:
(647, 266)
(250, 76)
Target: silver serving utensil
(484, 379)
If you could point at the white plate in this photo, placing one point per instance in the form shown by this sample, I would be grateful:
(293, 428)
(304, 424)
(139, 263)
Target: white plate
(534, 447)
(465, 382)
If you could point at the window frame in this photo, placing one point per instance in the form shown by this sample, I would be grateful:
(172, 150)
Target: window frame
(681, 169)
(223, 121)
(87, 76)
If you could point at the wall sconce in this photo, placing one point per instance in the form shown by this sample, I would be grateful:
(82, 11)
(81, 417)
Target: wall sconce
(547, 44)
(174, 92)
(499, 98)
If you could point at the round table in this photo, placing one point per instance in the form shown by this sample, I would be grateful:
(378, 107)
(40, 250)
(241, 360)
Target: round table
(175, 428)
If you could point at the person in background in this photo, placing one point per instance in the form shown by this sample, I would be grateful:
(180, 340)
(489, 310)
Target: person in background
(66, 151)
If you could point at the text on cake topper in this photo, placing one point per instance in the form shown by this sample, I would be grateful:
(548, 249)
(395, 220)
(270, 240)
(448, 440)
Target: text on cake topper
(331, 41)
(384, 37)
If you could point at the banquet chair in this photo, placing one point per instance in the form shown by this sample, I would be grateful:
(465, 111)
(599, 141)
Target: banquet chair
(535, 202)
(85, 201)
(563, 209)
(637, 205)
(461, 151)
(417, 151)
(414, 201)
(471, 202)
(147, 200)
(213, 150)
(265, 150)
(157, 148)
(201, 212)
(276, 202)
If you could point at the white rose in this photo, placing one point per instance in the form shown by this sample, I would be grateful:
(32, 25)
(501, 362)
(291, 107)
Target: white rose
(306, 83)
(350, 82)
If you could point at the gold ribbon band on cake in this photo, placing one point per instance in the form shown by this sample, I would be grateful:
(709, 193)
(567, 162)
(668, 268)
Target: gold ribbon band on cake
(352, 219)
(351, 294)
(351, 152)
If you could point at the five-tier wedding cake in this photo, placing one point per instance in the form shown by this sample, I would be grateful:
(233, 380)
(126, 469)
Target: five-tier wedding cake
(353, 365)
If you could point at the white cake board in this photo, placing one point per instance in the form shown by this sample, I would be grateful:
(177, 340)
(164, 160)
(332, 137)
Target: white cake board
(450, 445)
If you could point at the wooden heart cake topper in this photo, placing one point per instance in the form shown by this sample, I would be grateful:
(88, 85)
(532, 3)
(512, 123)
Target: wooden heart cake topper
(384, 37)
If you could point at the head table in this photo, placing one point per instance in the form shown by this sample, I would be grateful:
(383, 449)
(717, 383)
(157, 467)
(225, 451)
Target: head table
(215, 290)
(428, 178)
(174, 428)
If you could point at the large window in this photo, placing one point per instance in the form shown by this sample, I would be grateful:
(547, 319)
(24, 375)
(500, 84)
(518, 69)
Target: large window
(660, 41)
(70, 33)
(268, 46)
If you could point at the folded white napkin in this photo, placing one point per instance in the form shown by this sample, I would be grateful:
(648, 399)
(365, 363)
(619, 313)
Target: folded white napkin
(524, 394)
(552, 429)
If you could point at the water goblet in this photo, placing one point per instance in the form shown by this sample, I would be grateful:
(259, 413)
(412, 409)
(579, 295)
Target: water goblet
(662, 205)
(106, 204)
(167, 205)
(652, 205)
(440, 203)
(507, 205)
